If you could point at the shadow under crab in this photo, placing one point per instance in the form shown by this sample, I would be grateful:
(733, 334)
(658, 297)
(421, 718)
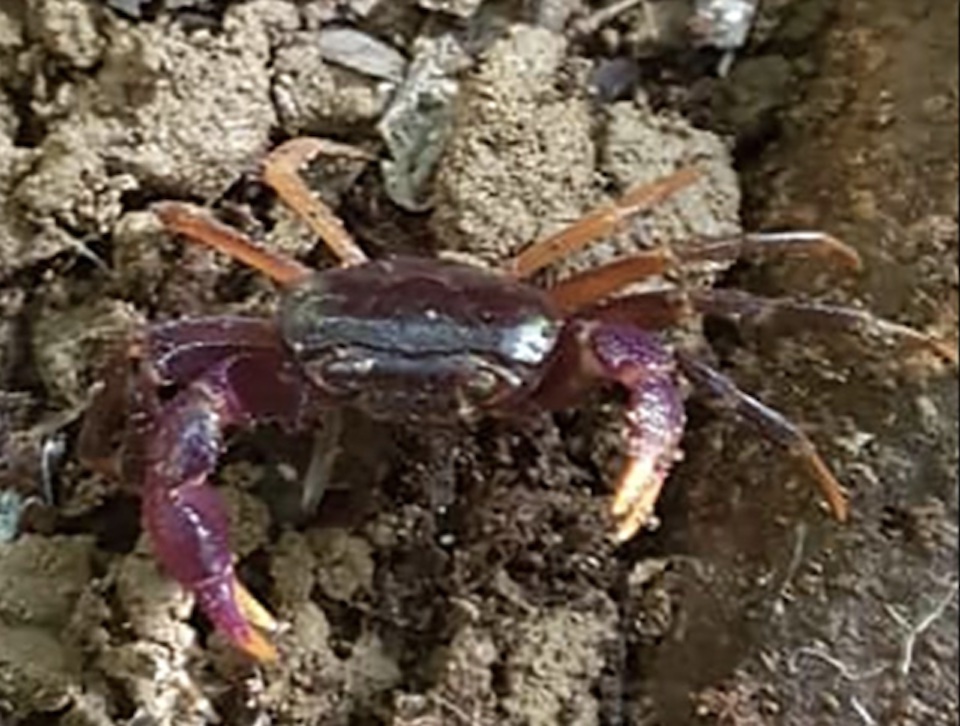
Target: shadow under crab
(428, 342)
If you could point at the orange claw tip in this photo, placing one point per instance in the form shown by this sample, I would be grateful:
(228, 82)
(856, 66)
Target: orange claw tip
(252, 609)
(637, 491)
(257, 646)
(245, 633)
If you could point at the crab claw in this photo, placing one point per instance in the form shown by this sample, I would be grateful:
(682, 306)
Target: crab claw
(189, 537)
(655, 419)
(635, 496)
(185, 517)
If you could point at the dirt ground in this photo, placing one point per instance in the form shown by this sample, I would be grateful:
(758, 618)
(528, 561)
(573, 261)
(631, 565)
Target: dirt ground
(467, 577)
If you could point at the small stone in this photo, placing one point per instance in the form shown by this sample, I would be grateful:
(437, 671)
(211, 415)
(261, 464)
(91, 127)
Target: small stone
(362, 53)
(460, 8)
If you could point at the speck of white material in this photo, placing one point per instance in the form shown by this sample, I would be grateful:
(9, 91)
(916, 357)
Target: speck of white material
(726, 23)
(11, 504)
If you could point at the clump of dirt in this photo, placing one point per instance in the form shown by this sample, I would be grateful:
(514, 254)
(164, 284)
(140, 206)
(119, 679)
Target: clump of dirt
(41, 580)
(316, 97)
(160, 111)
(529, 154)
(554, 662)
(467, 576)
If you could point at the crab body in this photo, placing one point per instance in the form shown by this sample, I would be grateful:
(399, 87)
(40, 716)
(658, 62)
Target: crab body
(420, 340)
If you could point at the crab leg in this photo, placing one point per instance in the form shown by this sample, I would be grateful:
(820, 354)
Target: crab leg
(125, 401)
(595, 284)
(655, 310)
(168, 353)
(598, 223)
(281, 170)
(183, 515)
(660, 309)
(771, 424)
(655, 417)
(744, 308)
(198, 225)
(178, 352)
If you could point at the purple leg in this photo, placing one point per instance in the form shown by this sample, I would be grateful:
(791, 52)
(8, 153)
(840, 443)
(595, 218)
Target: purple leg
(173, 353)
(789, 315)
(663, 308)
(183, 514)
(179, 351)
(639, 362)
(771, 424)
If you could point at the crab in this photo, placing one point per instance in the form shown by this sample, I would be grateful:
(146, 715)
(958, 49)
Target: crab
(433, 342)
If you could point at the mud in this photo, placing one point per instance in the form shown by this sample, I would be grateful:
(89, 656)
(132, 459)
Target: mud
(467, 577)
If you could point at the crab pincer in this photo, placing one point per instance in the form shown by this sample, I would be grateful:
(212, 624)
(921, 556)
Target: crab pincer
(655, 416)
(185, 516)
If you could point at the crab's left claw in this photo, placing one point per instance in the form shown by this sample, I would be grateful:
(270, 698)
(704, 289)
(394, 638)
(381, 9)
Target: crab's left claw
(655, 419)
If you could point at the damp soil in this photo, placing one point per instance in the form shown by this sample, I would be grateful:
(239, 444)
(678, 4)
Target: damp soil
(467, 576)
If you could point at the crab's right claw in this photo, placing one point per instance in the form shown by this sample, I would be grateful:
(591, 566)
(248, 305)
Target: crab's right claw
(189, 535)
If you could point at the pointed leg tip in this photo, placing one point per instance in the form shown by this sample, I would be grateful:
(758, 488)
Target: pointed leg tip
(840, 509)
(625, 531)
(169, 212)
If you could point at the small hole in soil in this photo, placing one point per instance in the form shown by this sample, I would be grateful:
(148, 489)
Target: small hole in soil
(116, 525)
(346, 626)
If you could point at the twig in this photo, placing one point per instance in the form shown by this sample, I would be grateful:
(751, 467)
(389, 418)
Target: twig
(796, 559)
(592, 23)
(862, 711)
(915, 631)
(458, 713)
(842, 668)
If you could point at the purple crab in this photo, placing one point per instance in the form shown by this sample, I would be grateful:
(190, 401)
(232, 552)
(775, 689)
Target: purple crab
(421, 340)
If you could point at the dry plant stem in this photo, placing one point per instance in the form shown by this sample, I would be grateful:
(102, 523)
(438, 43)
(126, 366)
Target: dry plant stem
(862, 712)
(326, 449)
(915, 631)
(592, 23)
(281, 170)
(198, 225)
(845, 671)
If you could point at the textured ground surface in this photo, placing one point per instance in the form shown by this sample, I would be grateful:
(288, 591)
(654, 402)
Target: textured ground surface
(466, 578)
